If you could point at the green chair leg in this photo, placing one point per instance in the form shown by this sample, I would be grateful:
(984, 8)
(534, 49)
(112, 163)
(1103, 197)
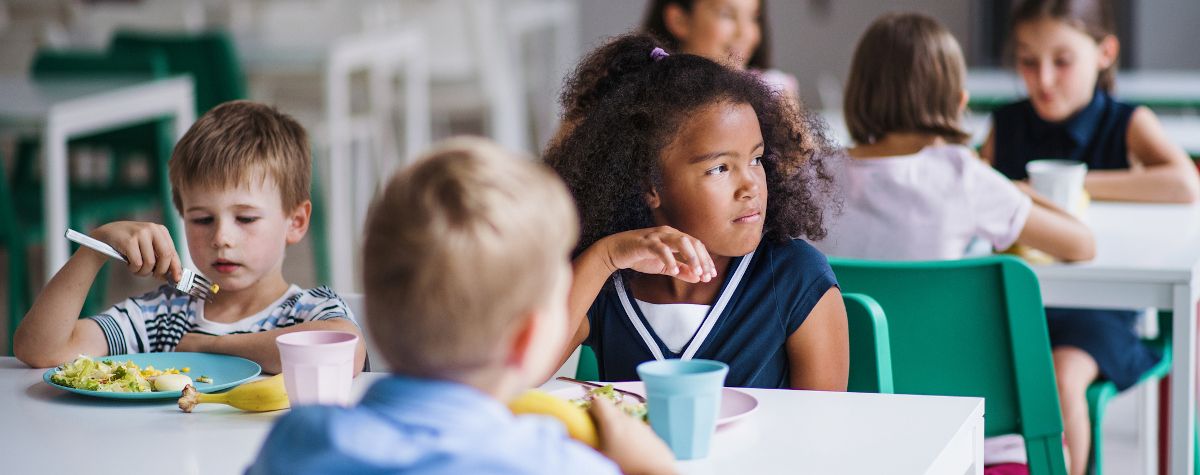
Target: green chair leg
(1099, 394)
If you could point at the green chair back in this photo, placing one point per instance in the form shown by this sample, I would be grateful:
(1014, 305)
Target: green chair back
(870, 361)
(208, 57)
(870, 350)
(973, 327)
(587, 370)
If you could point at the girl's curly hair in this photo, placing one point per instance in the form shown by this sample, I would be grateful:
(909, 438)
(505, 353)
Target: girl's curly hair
(623, 108)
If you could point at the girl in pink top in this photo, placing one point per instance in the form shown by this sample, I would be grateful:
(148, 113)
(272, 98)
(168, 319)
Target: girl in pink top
(911, 189)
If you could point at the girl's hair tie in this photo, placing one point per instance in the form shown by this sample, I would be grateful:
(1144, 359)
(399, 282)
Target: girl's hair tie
(658, 54)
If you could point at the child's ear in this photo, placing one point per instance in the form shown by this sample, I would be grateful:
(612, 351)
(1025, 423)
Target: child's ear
(297, 222)
(652, 198)
(962, 101)
(676, 21)
(521, 349)
(1110, 48)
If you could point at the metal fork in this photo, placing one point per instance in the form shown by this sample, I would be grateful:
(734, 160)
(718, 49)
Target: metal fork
(191, 283)
(590, 384)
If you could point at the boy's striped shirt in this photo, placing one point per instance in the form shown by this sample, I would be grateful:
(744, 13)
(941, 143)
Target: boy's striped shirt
(156, 321)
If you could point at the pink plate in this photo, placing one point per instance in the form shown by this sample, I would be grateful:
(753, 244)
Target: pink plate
(734, 404)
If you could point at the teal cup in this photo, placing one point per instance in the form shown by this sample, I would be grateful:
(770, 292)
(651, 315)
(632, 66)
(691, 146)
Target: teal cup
(683, 399)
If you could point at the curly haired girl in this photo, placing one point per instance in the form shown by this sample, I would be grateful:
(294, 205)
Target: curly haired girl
(694, 184)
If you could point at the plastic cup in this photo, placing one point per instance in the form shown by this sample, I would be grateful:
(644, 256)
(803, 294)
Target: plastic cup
(1061, 181)
(683, 400)
(318, 366)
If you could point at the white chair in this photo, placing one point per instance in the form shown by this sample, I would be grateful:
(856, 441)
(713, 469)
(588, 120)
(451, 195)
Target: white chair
(358, 305)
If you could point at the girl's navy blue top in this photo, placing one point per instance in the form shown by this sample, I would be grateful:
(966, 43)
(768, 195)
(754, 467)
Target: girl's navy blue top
(764, 304)
(1094, 135)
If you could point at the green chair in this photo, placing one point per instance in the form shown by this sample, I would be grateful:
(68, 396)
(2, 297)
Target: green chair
(91, 203)
(1101, 392)
(972, 327)
(870, 350)
(17, 240)
(587, 369)
(208, 57)
(870, 358)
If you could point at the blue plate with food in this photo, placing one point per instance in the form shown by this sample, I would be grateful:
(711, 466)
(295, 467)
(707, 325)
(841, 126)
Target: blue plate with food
(151, 375)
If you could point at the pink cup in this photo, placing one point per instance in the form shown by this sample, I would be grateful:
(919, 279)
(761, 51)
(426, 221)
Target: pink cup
(318, 366)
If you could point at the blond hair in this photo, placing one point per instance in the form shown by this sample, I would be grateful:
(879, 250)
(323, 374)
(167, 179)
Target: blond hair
(459, 247)
(240, 141)
(907, 75)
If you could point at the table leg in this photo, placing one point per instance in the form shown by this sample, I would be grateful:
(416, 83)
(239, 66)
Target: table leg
(55, 200)
(1183, 387)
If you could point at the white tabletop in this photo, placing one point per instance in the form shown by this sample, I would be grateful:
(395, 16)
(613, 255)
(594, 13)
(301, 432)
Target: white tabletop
(1137, 242)
(792, 431)
(1151, 87)
(26, 102)
(1183, 130)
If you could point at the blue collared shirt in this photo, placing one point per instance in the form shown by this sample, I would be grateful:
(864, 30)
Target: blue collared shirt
(406, 425)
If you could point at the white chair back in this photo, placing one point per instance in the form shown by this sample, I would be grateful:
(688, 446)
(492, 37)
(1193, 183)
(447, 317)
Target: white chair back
(358, 306)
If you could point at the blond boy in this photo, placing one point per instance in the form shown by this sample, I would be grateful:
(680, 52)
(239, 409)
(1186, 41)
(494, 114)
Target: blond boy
(240, 177)
(466, 276)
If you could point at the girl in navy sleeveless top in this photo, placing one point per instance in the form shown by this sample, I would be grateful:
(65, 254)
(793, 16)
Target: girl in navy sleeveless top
(693, 182)
(1066, 53)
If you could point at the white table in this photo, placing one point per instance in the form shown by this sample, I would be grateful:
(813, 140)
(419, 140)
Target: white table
(65, 109)
(1147, 255)
(1183, 130)
(46, 430)
(1150, 87)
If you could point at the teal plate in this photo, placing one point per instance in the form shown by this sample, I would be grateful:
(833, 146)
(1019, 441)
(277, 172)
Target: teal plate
(226, 372)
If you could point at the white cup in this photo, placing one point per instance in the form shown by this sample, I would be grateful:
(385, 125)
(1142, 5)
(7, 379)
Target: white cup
(1060, 181)
(318, 366)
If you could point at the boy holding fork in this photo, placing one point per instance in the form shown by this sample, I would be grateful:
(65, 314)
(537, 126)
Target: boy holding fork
(240, 177)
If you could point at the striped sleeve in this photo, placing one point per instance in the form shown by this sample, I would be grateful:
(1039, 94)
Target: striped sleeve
(113, 335)
(124, 324)
(322, 303)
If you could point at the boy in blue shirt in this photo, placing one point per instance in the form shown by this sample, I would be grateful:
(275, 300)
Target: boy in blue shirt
(466, 274)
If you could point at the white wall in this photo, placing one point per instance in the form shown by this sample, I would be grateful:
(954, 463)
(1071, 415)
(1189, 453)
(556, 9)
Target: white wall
(1168, 32)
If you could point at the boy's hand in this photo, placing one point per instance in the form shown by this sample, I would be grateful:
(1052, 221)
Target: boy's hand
(661, 250)
(629, 442)
(147, 246)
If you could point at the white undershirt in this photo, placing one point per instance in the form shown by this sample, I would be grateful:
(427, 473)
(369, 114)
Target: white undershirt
(674, 323)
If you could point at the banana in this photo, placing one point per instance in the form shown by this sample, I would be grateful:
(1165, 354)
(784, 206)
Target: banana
(257, 396)
(579, 424)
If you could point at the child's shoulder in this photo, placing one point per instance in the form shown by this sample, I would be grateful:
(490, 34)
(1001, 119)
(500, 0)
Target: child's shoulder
(321, 301)
(794, 254)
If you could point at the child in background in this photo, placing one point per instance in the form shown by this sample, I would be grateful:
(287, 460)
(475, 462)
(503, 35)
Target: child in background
(240, 178)
(466, 290)
(731, 32)
(1067, 54)
(693, 182)
(912, 190)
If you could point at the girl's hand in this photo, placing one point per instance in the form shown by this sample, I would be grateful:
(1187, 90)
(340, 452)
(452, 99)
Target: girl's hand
(662, 250)
(147, 246)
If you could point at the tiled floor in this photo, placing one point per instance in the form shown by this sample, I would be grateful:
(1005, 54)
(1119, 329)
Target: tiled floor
(1120, 431)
